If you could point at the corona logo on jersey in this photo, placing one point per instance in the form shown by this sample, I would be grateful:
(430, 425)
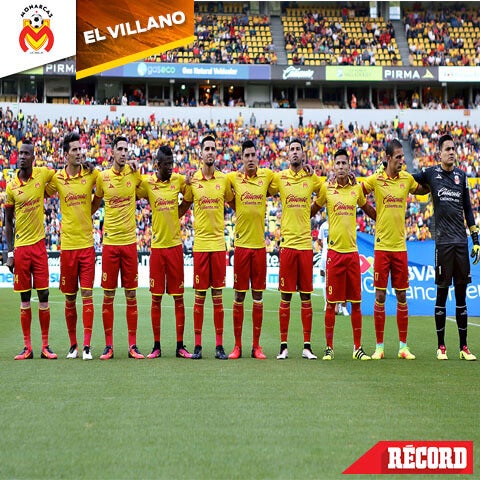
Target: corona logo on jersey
(36, 35)
(416, 457)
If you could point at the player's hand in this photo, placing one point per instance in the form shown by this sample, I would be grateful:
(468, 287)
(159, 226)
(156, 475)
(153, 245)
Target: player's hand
(11, 264)
(475, 254)
(133, 165)
(308, 169)
(188, 177)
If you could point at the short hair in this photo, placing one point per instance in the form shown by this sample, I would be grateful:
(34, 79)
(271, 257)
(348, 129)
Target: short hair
(163, 152)
(68, 139)
(295, 140)
(208, 138)
(121, 138)
(341, 151)
(247, 144)
(444, 138)
(392, 146)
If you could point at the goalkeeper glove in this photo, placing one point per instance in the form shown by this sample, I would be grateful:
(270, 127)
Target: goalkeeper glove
(476, 246)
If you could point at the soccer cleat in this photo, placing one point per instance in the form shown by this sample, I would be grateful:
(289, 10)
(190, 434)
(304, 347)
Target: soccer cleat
(133, 352)
(182, 352)
(344, 311)
(442, 353)
(236, 353)
(308, 354)
(220, 353)
(73, 352)
(283, 354)
(87, 354)
(328, 355)
(25, 354)
(197, 353)
(156, 353)
(406, 354)
(107, 353)
(465, 354)
(48, 354)
(360, 354)
(258, 353)
(378, 354)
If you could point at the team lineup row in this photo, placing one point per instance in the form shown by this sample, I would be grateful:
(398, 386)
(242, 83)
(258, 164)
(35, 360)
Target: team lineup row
(246, 191)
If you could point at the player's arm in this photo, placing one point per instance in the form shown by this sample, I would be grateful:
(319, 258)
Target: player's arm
(183, 208)
(96, 202)
(423, 186)
(369, 210)
(9, 215)
(314, 209)
(474, 230)
(320, 201)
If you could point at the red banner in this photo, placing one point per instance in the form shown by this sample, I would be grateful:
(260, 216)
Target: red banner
(415, 457)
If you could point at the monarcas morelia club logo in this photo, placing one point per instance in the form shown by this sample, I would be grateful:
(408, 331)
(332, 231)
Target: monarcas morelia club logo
(36, 35)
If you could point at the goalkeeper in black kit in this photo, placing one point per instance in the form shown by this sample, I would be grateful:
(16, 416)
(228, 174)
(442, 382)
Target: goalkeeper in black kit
(451, 201)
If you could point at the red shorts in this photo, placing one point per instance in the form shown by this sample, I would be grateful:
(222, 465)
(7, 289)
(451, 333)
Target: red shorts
(343, 280)
(75, 266)
(296, 271)
(394, 262)
(166, 269)
(250, 266)
(209, 270)
(31, 262)
(123, 259)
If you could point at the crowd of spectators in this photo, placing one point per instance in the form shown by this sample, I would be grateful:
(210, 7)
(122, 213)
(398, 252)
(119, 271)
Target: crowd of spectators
(366, 144)
(224, 39)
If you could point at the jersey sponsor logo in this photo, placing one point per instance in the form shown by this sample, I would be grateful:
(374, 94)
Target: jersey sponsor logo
(438, 176)
(341, 208)
(118, 201)
(73, 198)
(295, 201)
(390, 201)
(248, 198)
(445, 193)
(207, 202)
(165, 204)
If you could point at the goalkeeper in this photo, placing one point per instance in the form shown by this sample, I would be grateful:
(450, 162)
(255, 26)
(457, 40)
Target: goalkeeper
(451, 202)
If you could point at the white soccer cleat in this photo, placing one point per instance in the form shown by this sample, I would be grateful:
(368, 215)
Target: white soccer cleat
(87, 354)
(283, 354)
(73, 352)
(344, 311)
(308, 354)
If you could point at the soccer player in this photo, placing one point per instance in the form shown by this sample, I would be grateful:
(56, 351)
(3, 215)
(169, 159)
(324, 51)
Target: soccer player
(117, 186)
(343, 277)
(209, 189)
(295, 187)
(451, 202)
(24, 215)
(74, 185)
(391, 188)
(250, 267)
(166, 260)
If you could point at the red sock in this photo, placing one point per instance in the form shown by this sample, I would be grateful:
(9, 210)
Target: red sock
(284, 317)
(179, 317)
(156, 316)
(356, 318)
(257, 319)
(306, 314)
(198, 318)
(132, 320)
(218, 316)
(402, 321)
(238, 313)
(87, 316)
(71, 319)
(26, 322)
(379, 320)
(107, 317)
(329, 323)
(44, 317)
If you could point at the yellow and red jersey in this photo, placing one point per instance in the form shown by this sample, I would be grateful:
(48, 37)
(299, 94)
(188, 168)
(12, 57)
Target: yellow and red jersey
(342, 204)
(296, 195)
(390, 200)
(209, 197)
(250, 205)
(26, 197)
(163, 198)
(75, 194)
(118, 190)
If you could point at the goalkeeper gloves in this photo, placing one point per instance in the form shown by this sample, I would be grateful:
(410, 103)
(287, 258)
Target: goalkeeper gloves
(476, 246)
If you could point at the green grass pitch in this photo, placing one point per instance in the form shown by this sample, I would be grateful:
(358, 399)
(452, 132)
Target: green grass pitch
(245, 419)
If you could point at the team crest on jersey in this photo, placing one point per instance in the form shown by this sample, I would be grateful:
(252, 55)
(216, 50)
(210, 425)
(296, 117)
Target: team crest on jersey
(305, 185)
(260, 183)
(353, 194)
(402, 185)
(129, 184)
(217, 186)
(83, 181)
(456, 179)
(36, 35)
(37, 185)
